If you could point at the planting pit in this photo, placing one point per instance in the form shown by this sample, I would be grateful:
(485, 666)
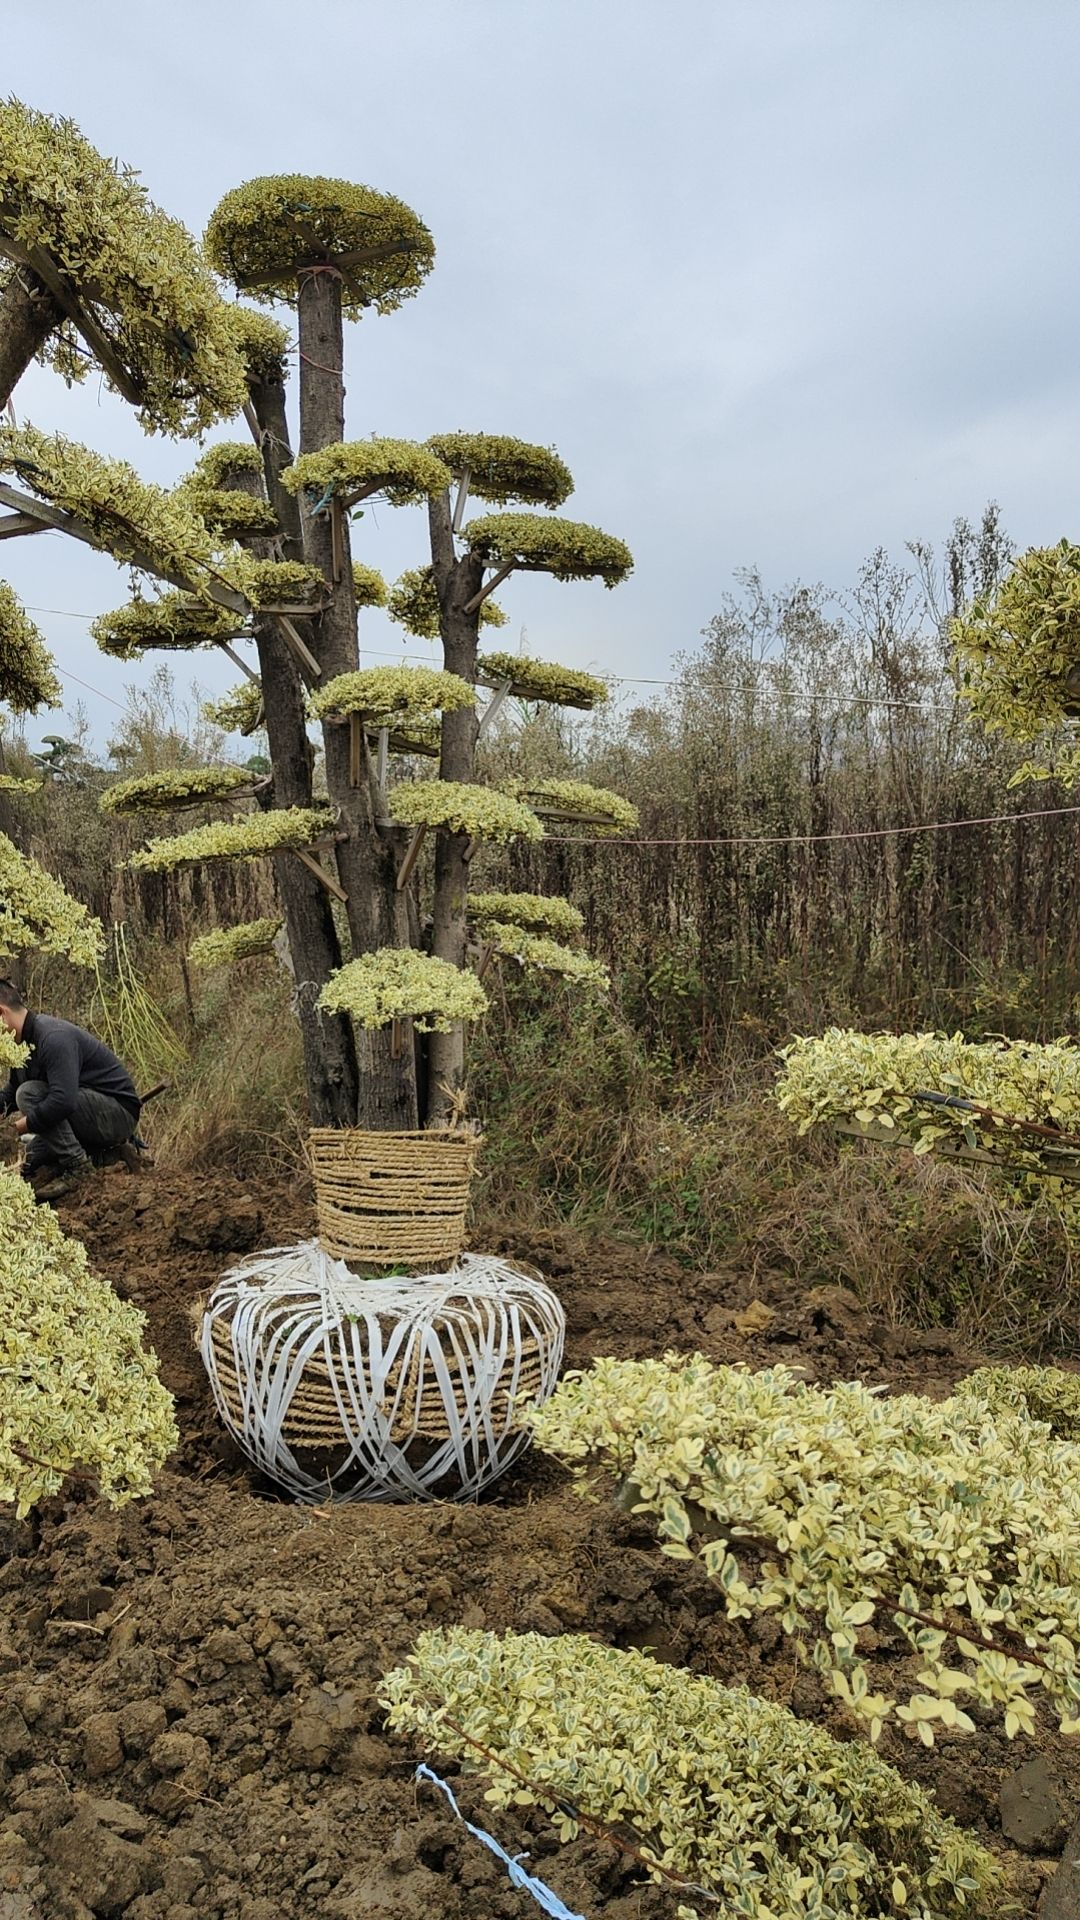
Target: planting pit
(189, 1727)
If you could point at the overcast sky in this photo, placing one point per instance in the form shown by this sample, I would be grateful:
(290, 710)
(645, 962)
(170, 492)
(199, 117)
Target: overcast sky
(782, 280)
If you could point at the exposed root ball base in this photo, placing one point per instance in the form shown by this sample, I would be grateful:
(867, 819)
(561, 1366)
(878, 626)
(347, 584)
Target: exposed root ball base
(339, 1388)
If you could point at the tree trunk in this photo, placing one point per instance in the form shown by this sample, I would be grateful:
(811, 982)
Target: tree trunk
(28, 314)
(368, 858)
(329, 1051)
(456, 581)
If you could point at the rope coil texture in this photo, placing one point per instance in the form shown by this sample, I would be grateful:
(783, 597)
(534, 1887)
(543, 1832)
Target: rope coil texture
(404, 1388)
(544, 1896)
(392, 1199)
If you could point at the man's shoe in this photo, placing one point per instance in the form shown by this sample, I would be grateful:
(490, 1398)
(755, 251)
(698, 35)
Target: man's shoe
(66, 1183)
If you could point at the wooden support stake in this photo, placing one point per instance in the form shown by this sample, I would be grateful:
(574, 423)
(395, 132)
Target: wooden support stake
(494, 707)
(242, 664)
(412, 854)
(13, 523)
(337, 538)
(352, 500)
(383, 758)
(496, 580)
(356, 750)
(134, 556)
(486, 957)
(252, 419)
(313, 866)
(462, 496)
(296, 646)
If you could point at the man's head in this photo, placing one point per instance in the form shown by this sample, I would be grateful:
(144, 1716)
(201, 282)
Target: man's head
(12, 1008)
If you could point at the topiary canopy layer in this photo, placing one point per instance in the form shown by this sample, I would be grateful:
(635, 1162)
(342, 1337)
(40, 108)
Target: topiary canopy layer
(501, 469)
(37, 915)
(398, 983)
(136, 289)
(27, 678)
(264, 234)
(569, 549)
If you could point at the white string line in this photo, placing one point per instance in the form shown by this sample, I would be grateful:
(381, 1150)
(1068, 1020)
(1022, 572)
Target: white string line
(807, 839)
(642, 680)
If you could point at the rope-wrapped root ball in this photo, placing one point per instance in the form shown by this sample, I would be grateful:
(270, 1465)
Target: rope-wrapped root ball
(404, 1388)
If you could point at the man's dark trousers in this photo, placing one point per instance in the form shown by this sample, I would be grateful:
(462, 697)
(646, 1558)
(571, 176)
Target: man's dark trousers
(96, 1122)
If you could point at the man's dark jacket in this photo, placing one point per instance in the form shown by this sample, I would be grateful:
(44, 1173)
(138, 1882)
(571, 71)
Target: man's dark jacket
(68, 1059)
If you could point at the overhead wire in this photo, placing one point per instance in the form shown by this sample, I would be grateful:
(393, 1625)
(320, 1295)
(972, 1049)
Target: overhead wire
(809, 700)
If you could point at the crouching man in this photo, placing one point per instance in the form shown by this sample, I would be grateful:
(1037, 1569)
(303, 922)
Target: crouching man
(73, 1095)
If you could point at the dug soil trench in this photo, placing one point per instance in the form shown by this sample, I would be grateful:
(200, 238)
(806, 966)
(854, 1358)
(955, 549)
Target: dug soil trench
(189, 1723)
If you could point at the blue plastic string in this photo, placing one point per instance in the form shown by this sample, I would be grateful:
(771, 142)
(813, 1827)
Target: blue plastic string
(528, 1882)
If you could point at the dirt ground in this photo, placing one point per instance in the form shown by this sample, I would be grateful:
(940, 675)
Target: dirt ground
(189, 1727)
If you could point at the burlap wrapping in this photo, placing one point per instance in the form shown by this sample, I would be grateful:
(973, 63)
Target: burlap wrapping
(392, 1199)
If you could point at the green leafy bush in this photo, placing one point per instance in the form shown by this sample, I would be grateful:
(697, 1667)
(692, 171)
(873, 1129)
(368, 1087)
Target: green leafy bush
(261, 231)
(460, 807)
(222, 946)
(956, 1524)
(78, 1392)
(732, 1794)
(1041, 1393)
(567, 549)
(136, 271)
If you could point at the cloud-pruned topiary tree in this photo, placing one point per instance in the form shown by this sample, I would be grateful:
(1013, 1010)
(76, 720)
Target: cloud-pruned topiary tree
(255, 543)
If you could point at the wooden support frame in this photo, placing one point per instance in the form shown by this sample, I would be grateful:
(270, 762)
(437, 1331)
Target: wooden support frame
(494, 707)
(252, 419)
(12, 524)
(412, 854)
(496, 580)
(297, 646)
(487, 955)
(382, 758)
(462, 497)
(357, 257)
(63, 522)
(1069, 1169)
(315, 867)
(242, 664)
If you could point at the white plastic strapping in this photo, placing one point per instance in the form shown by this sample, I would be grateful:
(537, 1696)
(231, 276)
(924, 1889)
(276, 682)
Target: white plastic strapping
(392, 1353)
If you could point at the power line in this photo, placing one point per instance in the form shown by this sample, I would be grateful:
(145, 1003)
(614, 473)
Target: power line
(809, 700)
(809, 839)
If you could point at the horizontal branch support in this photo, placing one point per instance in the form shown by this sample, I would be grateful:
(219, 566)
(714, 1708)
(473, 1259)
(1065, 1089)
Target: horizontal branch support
(12, 524)
(70, 523)
(66, 298)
